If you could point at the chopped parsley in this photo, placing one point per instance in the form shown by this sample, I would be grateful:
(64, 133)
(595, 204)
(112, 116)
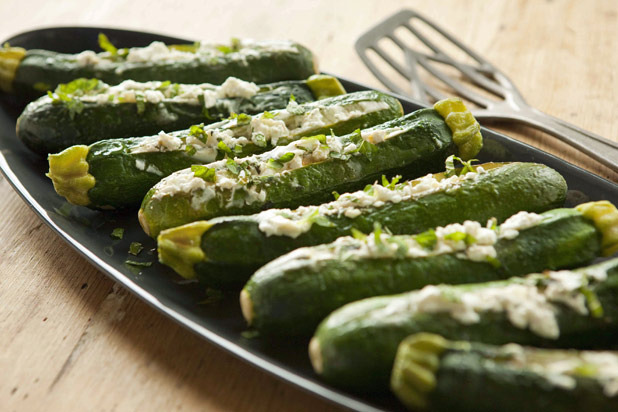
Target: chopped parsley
(427, 239)
(135, 248)
(107, 45)
(241, 118)
(260, 140)
(117, 233)
(278, 163)
(137, 263)
(233, 167)
(223, 148)
(460, 236)
(268, 115)
(390, 185)
(190, 150)
(451, 169)
(207, 173)
(197, 130)
(357, 234)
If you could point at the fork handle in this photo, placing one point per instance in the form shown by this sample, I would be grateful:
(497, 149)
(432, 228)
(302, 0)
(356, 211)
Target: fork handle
(603, 150)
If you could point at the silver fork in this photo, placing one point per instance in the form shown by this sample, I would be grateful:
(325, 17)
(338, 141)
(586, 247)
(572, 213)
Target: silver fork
(510, 104)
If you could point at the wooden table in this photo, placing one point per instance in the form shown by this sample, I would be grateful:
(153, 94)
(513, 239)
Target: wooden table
(71, 340)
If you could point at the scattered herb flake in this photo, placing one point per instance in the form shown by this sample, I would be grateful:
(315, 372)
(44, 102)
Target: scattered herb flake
(223, 148)
(207, 173)
(106, 45)
(336, 195)
(233, 167)
(135, 248)
(259, 139)
(427, 239)
(190, 150)
(137, 263)
(357, 234)
(268, 115)
(117, 233)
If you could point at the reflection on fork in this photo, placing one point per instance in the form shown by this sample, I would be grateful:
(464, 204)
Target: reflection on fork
(499, 100)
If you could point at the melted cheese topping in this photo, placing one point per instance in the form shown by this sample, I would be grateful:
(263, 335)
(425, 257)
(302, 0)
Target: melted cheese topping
(526, 305)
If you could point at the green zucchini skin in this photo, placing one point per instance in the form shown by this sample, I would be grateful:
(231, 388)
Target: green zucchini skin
(121, 183)
(235, 247)
(357, 348)
(422, 148)
(291, 296)
(51, 68)
(485, 378)
(47, 127)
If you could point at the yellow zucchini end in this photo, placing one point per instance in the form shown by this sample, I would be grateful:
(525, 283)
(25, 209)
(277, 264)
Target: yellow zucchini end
(466, 130)
(414, 371)
(323, 86)
(246, 306)
(180, 247)
(68, 171)
(315, 355)
(10, 57)
(604, 215)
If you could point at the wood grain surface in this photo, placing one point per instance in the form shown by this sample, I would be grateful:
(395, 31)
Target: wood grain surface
(72, 340)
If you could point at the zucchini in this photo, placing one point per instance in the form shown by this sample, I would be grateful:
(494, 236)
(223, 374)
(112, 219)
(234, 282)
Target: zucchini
(124, 169)
(233, 247)
(88, 110)
(355, 346)
(293, 293)
(33, 72)
(432, 373)
(307, 171)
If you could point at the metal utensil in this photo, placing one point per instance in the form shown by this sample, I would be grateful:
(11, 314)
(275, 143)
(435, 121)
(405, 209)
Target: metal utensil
(507, 103)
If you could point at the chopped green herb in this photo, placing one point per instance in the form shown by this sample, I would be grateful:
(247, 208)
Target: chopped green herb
(592, 301)
(206, 173)
(41, 86)
(164, 85)
(390, 185)
(238, 149)
(278, 163)
(233, 167)
(197, 130)
(357, 234)
(295, 108)
(260, 140)
(377, 232)
(320, 138)
(292, 97)
(222, 147)
(250, 334)
(427, 239)
(190, 150)
(117, 233)
(451, 170)
(493, 261)
(336, 195)
(106, 45)
(369, 190)
(268, 115)
(241, 118)
(211, 296)
(141, 104)
(136, 263)
(459, 236)
(135, 248)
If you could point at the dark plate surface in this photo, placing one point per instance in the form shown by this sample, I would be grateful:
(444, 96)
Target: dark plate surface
(222, 324)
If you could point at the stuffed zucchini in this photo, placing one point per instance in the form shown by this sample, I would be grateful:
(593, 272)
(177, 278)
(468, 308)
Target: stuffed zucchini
(33, 72)
(88, 110)
(432, 373)
(471, 193)
(293, 293)
(355, 346)
(307, 171)
(124, 169)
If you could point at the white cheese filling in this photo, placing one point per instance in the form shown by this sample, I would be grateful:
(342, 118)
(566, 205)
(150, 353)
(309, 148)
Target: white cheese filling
(158, 51)
(560, 367)
(130, 91)
(526, 305)
(354, 204)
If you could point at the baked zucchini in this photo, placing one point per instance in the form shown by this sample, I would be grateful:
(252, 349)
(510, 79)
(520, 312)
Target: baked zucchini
(233, 247)
(33, 72)
(434, 374)
(307, 171)
(88, 110)
(355, 346)
(293, 293)
(124, 169)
